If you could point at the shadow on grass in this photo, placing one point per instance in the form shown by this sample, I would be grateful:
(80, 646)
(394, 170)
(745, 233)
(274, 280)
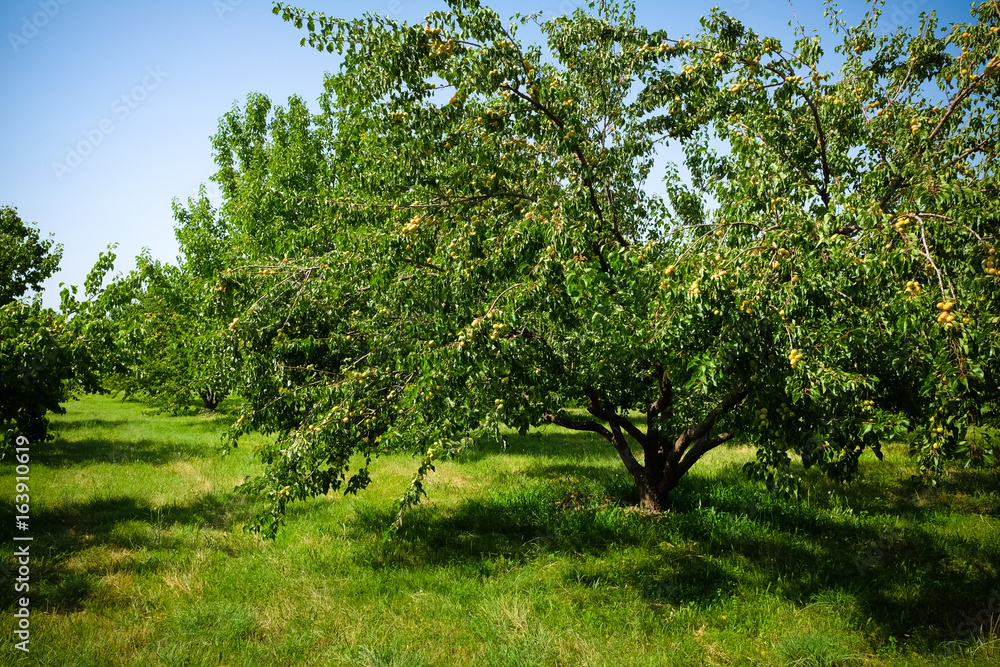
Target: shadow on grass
(908, 575)
(63, 453)
(70, 425)
(548, 444)
(880, 545)
(119, 535)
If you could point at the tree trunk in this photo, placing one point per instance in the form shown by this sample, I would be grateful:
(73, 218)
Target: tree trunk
(655, 487)
(652, 499)
(210, 399)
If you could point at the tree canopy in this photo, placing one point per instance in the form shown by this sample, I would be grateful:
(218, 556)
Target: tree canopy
(465, 237)
(25, 259)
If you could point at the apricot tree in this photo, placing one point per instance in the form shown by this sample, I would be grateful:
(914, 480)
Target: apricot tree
(466, 237)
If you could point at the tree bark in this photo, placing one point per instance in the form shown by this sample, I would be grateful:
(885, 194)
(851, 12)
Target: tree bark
(655, 497)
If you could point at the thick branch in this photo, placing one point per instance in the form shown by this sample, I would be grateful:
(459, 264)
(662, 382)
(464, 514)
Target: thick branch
(700, 448)
(657, 407)
(608, 414)
(899, 181)
(584, 165)
(666, 397)
(824, 192)
(961, 95)
(700, 430)
(623, 422)
(633, 466)
(578, 425)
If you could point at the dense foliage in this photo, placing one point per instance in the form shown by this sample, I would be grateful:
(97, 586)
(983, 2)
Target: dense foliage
(25, 260)
(44, 354)
(465, 237)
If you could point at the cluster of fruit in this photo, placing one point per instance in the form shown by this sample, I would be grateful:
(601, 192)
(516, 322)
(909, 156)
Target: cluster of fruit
(937, 433)
(991, 267)
(412, 225)
(497, 330)
(445, 49)
(912, 287)
(994, 64)
(492, 118)
(794, 357)
(946, 317)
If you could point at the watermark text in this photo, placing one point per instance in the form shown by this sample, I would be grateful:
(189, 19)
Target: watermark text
(22, 543)
(30, 25)
(122, 108)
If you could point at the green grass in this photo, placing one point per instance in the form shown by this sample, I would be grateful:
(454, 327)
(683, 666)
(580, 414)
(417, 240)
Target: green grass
(528, 554)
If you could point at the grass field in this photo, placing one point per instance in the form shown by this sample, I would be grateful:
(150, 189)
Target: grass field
(528, 554)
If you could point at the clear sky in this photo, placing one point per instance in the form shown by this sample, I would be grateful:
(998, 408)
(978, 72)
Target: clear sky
(109, 105)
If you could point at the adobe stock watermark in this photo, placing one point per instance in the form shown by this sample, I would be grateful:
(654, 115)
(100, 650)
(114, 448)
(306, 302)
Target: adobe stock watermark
(982, 623)
(30, 25)
(223, 7)
(895, 15)
(22, 546)
(394, 8)
(121, 108)
(546, 537)
(671, 590)
(877, 552)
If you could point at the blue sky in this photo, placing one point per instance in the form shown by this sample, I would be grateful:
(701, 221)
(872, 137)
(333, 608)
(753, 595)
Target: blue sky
(110, 104)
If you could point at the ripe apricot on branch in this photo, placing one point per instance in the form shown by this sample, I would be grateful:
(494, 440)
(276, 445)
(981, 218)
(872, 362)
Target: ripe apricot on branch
(412, 225)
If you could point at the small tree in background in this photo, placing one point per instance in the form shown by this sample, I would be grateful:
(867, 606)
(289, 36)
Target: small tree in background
(25, 260)
(44, 355)
(173, 347)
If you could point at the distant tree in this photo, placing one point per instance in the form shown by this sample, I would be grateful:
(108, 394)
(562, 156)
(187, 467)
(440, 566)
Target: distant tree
(35, 365)
(25, 259)
(464, 238)
(44, 354)
(173, 346)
